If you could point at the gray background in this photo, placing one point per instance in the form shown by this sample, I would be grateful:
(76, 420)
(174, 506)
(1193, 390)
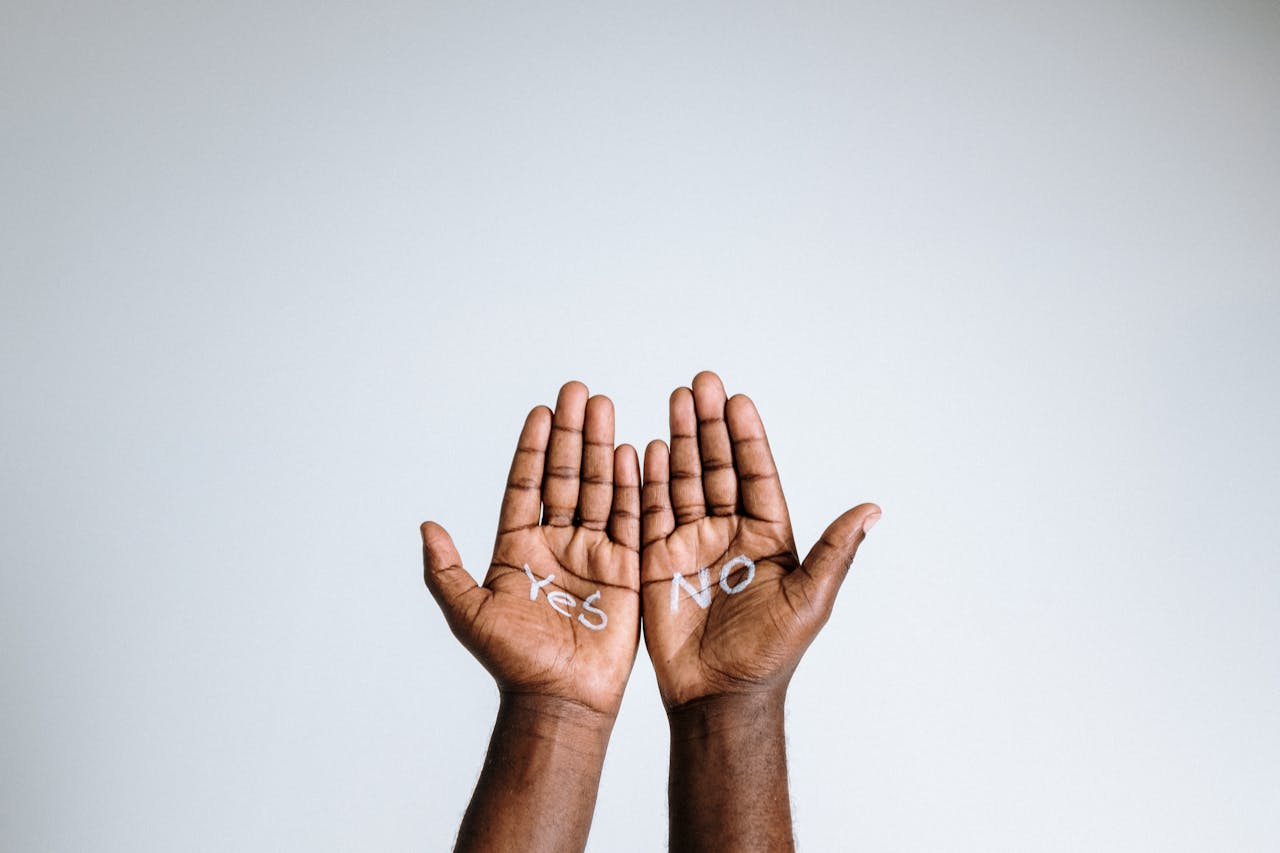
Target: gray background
(281, 280)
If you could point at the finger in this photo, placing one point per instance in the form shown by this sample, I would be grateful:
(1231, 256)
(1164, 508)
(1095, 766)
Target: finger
(758, 482)
(522, 499)
(564, 457)
(624, 522)
(719, 480)
(656, 518)
(451, 586)
(686, 469)
(827, 564)
(595, 496)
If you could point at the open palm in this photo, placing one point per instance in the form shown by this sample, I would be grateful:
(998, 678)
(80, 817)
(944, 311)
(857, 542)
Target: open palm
(558, 613)
(728, 605)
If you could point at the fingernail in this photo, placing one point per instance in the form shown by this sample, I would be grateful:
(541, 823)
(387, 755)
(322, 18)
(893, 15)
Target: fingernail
(869, 522)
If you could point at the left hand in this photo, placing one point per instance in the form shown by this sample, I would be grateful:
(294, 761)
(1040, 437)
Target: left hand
(729, 607)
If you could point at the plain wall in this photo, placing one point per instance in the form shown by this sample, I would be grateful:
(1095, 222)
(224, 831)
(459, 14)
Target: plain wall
(280, 281)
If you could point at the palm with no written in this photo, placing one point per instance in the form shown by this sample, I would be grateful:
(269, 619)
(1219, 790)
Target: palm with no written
(558, 613)
(729, 607)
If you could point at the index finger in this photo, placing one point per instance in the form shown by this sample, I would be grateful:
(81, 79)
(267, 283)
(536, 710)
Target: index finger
(522, 500)
(758, 482)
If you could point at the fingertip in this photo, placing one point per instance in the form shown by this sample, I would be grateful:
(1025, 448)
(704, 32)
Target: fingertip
(626, 466)
(682, 415)
(708, 395)
(843, 535)
(656, 455)
(573, 390)
(438, 552)
(852, 519)
(538, 421)
(707, 378)
(599, 418)
(435, 537)
(741, 411)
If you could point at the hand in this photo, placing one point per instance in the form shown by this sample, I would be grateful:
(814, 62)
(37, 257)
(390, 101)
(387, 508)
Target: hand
(558, 614)
(729, 608)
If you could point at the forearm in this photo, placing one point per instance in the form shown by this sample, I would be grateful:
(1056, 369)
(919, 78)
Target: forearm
(537, 790)
(728, 782)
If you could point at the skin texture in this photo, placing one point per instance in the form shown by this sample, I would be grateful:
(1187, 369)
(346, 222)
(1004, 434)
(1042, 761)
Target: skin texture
(570, 510)
(723, 671)
(575, 514)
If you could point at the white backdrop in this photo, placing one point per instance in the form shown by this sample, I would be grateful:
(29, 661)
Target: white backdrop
(280, 281)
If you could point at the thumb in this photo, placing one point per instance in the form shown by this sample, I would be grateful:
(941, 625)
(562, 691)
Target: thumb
(450, 584)
(828, 561)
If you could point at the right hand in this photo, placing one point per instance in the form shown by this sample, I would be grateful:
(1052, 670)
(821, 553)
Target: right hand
(558, 615)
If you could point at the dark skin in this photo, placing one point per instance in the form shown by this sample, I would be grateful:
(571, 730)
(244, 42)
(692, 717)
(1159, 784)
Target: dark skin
(723, 657)
(570, 513)
(723, 669)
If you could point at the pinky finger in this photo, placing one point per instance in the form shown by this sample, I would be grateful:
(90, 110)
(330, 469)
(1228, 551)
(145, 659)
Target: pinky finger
(624, 520)
(657, 520)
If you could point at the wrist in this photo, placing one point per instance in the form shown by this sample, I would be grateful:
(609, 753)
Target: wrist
(555, 717)
(727, 714)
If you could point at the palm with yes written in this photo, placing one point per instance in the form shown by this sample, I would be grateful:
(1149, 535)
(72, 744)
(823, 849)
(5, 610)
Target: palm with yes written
(713, 496)
(570, 513)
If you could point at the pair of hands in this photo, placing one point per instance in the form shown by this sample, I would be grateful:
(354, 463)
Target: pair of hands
(584, 547)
